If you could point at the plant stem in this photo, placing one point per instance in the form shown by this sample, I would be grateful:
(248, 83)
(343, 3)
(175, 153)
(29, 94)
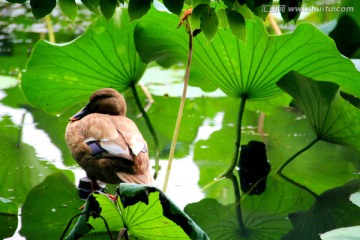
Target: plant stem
(150, 127)
(237, 204)
(238, 140)
(296, 155)
(50, 29)
(274, 24)
(279, 171)
(298, 185)
(180, 112)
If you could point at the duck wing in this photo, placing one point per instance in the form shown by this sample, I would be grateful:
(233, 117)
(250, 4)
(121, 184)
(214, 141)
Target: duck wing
(100, 141)
(133, 138)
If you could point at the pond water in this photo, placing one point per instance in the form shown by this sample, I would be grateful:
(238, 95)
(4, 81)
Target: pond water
(39, 175)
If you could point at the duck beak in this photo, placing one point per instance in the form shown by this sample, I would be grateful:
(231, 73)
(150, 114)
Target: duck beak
(82, 113)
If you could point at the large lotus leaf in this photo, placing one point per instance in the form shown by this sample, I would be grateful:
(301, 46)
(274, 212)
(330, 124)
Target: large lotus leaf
(144, 211)
(48, 207)
(103, 211)
(262, 217)
(61, 75)
(331, 210)
(249, 68)
(333, 119)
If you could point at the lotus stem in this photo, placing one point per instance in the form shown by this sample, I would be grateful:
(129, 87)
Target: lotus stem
(150, 127)
(235, 160)
(181, 109)
(50, 29)
(296, 155)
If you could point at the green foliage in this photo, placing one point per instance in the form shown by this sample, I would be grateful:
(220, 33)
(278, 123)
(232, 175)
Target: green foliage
(249, 64)
(17, 157)
(107, 7)
(209, 23)
(332, 118)
(92, 5)
(42, 8)
(323, 215)
(16, 1)
(292, 10)
(8, 207)
(249, 68)
(265, 216)
(261, 217)
(138, 8)
(144, 211)
(347, 36)
(174, 6)
(69, 8)
(237, 24)
(48, 206)
(104, 56)
(8, 217)
(259, 7)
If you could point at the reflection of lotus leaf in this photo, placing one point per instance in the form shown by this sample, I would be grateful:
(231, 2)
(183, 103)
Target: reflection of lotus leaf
(331, 210)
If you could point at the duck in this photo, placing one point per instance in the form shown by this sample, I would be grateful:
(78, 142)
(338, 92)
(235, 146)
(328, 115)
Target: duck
(107, 144)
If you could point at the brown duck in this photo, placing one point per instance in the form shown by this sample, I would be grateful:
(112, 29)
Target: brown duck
(107, 144)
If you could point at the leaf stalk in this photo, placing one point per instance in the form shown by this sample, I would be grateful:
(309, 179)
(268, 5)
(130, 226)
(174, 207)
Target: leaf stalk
(181, 108)
(150, 127)
(236, 157)
(296, 155)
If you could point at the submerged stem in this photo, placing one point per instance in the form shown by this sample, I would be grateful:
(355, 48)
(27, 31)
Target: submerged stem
(237, 204)
(150, 127)
(298, 185)
(279, 171)
(238, 140)
(180, 112)
(296, 155)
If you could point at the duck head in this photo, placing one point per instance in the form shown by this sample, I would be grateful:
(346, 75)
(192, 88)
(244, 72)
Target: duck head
(104, 101)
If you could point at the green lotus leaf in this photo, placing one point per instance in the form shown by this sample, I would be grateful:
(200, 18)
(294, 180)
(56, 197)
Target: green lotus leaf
(48, 207)
(60, 75)
(41, 8)
(107, 8)
(259, 217)
(174, 6)
(333, 119)
(249, 68)
(144, 211)
(92, 5)
(332, 209)
(69, 8)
